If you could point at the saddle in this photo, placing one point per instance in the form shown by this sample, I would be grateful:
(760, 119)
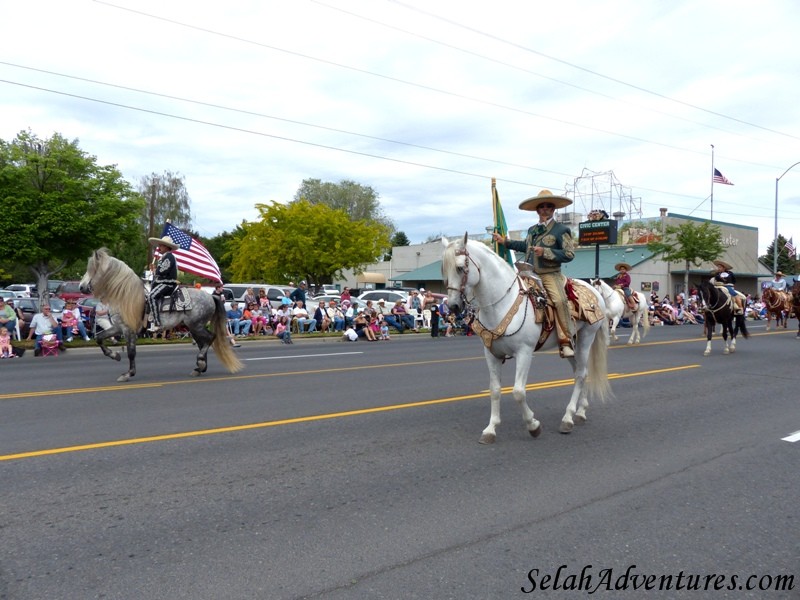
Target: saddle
(722, 287)
(177, 301)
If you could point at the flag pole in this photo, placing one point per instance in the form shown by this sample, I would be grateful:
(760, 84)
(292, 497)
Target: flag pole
(712, 182)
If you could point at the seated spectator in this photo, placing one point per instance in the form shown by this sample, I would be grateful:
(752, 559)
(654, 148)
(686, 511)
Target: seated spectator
(349, 313)
(402, 317)
(257, 318)
(240, 327)
(321, 318)
(387, 317)
(42, 324)
(450, 325)
(361, 325)
(349, 335)
(6, 349)
(283, 331)
(301, 317)
(72, 322)
(8, 316)
(665, 313)
(335, 314)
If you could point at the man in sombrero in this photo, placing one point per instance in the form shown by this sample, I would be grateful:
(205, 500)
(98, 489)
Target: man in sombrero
(165, 276)
(623, 280)
(723, 275)
(547, 246)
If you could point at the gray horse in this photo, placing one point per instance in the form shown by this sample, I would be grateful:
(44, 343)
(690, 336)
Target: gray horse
(115, 284)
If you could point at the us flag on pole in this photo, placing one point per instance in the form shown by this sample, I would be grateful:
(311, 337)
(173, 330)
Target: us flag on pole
(191, 255)
(720, 178)
(790, 247)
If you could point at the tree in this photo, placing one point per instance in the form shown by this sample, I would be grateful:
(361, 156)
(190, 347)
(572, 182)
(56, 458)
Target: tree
(691, 244)
(359, 202)
(786, 263)
(398, 239)
(59, 205)
(166, 199)
(304, 241)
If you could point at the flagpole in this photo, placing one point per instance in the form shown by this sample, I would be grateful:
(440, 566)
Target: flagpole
(495, 245)
(712, 182)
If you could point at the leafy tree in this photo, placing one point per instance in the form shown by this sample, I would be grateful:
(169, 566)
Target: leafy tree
(359, 202)
(166, 199)
(219, 246)
(398, 239)
(304, 241)
(59, 205)
(786, 263)
(690, 243)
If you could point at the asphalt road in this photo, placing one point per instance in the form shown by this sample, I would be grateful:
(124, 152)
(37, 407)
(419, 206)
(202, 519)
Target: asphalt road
(352, 470)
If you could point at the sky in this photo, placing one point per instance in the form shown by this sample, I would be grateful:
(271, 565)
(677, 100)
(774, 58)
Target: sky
(623, 105)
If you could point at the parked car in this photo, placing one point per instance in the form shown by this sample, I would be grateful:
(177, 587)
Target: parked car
(391, 296)
(30, 306)
(314, 302)
(6, 294)
(26, 290)
(52, 285)
(70, 290)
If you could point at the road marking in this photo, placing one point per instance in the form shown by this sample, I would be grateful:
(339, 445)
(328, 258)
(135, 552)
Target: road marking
(292, 356)
(310, 418)
(794, 437)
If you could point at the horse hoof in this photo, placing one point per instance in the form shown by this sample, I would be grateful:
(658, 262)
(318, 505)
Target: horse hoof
(707, 353)
(195, 373)
(117, 356)
(579, 419)
(123, 378)
(566, 427)
(536, 432)
(487, 438)
(726, 351)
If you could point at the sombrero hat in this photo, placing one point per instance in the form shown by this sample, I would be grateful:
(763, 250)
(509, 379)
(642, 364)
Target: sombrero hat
(544, 196)
(619, 265)
(165, 241)
(723, 265)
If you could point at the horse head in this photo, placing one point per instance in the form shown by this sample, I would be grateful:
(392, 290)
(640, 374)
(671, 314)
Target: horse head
(456, 272)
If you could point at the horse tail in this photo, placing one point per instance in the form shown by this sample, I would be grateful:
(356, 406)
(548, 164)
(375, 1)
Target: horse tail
(222, 347)
(597, 385)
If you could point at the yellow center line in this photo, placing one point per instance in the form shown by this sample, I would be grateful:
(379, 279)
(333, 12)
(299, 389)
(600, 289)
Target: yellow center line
(310, 418)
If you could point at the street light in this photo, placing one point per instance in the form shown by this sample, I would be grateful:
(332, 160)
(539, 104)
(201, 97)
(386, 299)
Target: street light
(775, 243)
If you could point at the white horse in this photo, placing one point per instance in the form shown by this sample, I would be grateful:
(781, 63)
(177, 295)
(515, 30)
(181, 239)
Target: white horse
(505, 317)
(617, 309)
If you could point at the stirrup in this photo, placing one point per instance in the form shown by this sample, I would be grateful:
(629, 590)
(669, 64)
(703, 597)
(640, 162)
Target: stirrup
(566, 351)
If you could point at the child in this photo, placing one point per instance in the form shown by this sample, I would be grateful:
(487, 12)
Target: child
(384, 330)
(450, 323)
(283, 332)
(6, 349)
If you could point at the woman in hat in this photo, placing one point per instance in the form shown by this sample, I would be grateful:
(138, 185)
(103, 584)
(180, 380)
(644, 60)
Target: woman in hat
(724, 277)
(165, 276)
(623, 280)
(547, 246)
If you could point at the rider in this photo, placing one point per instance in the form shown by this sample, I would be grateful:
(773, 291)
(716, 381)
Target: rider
(723, 276)
(779, 283)
(547, 246)
(165, 276)
(623, 280)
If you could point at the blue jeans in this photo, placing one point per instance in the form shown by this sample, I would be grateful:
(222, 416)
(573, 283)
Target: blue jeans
(81, 329)
(240, 326)
(302, 322)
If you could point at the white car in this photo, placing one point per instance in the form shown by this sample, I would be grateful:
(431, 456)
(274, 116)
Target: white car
(391, 296)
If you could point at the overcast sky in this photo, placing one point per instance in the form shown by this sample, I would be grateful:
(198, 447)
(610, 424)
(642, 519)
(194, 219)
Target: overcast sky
(424, 101)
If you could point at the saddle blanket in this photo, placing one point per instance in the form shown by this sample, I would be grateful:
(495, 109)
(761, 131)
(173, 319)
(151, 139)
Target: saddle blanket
(179, 301)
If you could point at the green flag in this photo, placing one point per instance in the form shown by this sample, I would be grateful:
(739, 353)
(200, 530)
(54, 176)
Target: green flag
(500, 227)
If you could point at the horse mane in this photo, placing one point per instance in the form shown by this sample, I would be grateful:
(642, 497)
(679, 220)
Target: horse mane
(117, 285)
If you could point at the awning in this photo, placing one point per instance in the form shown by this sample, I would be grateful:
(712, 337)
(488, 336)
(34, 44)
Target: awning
(367, 277)
(430, 272)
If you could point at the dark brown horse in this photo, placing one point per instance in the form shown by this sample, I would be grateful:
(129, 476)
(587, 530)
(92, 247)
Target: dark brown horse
(778, 304)
(718, 308)
(796, 304)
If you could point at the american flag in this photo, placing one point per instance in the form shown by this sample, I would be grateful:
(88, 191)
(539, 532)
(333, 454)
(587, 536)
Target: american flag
(790, 247)
(191, 255)
(720, 178)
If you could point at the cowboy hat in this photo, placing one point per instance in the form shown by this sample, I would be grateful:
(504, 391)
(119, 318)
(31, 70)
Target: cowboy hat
(723, 265)
(619, 265)
(544, 196)
(164, 241)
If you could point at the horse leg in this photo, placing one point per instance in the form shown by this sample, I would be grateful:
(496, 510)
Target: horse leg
(101, 338)
(130, 343)
(489, 435)
(613, 331)
(580, 370)
(203, 338)
(726, 349)
(520, 382)
(634, 320)
(709, 332)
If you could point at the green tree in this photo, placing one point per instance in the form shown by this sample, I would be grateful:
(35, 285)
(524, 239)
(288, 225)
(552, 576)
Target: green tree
(218, 247)
(786, 263)
(398, 239)
(166, 199)
(693, 244)
(59, 205)
(304, 241)
(359, 202)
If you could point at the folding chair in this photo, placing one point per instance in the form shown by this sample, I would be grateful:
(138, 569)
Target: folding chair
(426, 318)
(49, 345)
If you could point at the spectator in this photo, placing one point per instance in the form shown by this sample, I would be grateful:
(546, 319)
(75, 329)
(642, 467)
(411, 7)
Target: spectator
(361, 325)
(450, 325)
(334, 315)
(301, 317)
(72, 322)
(444, 309)
(6, 349)
(402, 317)
(8, 316)
(387, 317)
(434, 320)
(283, 331)
(349, 335)
(414, 302)
(239, 326)
(257, 318)
(349, 313)
(299, 293)
(385, 330)
(249, 297)
(263, 301)
(42, 324)
(321, 319)
(428, 301)
(345, 295)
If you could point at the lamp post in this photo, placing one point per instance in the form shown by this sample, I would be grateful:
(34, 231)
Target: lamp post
(775, 243)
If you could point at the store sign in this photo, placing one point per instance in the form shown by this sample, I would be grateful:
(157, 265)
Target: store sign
(597, 232)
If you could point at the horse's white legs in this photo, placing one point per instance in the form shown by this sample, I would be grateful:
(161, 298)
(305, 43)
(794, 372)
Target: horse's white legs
(613, 330)
(489, 435)
(733, 345)
(520, 382)
(634, 319)
(708, 348)
(578, 402)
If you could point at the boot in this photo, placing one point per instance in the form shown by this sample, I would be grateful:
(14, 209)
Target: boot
(565, 350)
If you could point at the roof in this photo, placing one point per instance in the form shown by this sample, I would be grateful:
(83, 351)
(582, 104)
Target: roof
(430, 272)
(583, 265)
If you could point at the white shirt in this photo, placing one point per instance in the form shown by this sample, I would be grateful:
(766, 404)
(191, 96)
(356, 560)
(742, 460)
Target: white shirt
(42, 325)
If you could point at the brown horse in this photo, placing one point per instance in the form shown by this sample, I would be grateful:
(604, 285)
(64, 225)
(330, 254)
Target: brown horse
(778, 304)
(796, 304)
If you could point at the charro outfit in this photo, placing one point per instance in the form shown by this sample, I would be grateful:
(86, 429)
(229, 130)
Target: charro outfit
(725, 277)
(558, 247)
(165, 277)
(623, 280)
(779, 283)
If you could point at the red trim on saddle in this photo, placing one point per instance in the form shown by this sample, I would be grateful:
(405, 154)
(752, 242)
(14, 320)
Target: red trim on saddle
(571, 295)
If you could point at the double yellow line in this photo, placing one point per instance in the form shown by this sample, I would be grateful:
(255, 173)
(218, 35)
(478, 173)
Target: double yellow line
(306, 419)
